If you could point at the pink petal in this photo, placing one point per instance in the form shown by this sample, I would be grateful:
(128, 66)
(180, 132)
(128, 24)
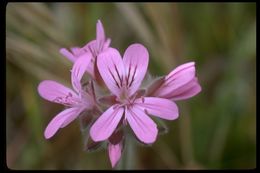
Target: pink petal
(177, 78)
(90, 46)
(100, 34)
(69, 119)
(114, 152)
(91, 68)
(136, 60)
(77, 51)
(58, 121)
(55, 92)
(106, 44)
(143, 126)
(111, 69)
(67, 54)
(194, 89)
(159, 107)
(106, 123)
(79, 69)
(180, 68)
(182, 88)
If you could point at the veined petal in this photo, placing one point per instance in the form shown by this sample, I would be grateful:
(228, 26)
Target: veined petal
(69, 119)
(114, 152)
(188, 94)
(111, 69)
(189, 90)
(56, 92)
(136, 60)
(177, 78)
(68, 54)
(143, 126)
(159, 107)
(182, 88)
(67, 116)
(106, 123)
(79, 69)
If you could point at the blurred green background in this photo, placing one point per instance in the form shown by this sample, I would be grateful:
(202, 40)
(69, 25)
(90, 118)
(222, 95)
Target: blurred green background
(215, 130)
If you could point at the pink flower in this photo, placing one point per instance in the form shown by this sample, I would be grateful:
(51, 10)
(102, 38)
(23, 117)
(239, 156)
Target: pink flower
(76, 102)
(179, 84)
(95, 47)
(123, 78)
(126, 104)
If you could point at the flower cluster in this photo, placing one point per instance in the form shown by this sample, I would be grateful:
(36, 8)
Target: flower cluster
(113, 98)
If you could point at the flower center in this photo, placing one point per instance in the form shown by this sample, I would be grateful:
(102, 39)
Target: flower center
(125, 100)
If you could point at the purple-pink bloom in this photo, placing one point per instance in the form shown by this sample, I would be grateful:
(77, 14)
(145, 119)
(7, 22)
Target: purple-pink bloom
(76, 101)
(123, 78)
(125, 104)
(181, 83)
(94, 47)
